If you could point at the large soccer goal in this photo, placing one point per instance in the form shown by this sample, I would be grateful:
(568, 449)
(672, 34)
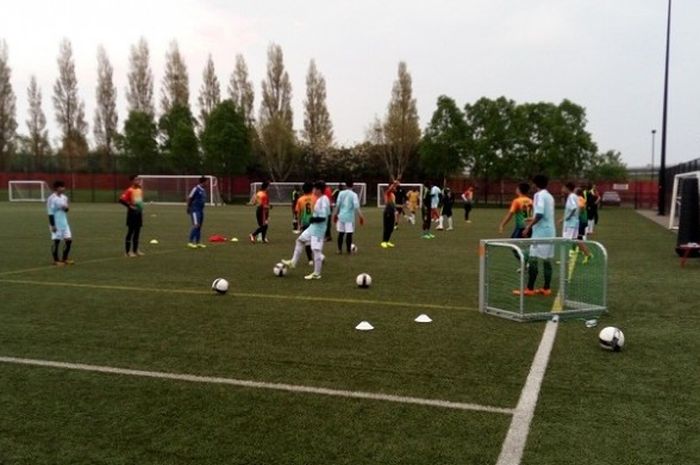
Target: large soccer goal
(677, 197)
(281, 192)
(382, 187)
(578, 289)
(174, 189)
(28, 191)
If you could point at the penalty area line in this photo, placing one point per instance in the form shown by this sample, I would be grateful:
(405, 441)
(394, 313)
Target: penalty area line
(291, 388)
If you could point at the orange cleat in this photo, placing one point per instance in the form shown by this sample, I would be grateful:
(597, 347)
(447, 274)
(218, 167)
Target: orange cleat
(526, 293)
(544, 292)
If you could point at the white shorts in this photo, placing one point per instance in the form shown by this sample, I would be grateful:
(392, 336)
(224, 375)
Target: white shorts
(544, 251)
(344, 227)
(315, 242)
(61, 234)
(570, 232)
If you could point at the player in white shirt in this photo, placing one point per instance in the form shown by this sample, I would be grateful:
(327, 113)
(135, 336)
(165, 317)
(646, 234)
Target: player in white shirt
(542, 227)
(571, 213)
(435, 196)
(347, 206)
(57, 209)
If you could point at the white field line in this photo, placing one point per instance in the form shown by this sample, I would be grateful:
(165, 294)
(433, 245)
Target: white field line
(293, 388)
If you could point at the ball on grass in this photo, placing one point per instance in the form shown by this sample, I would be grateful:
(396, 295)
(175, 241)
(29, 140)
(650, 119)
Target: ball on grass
(279, 270)
(611, 338)
(363, 280)
(353, 248)
(220, 286)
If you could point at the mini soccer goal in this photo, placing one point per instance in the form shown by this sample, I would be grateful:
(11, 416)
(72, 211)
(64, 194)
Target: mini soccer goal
(677, 197)
(174, 189)
(578, 285)
(281, 192)
(28, 191)
(382, 187)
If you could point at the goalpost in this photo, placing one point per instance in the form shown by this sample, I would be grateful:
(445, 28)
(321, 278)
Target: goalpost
(383, 186)
(677, 197)
(174, 189)
(28, 191)
(281, 192)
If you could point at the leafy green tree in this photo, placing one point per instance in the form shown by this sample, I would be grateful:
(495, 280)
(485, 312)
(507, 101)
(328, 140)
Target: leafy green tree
(225, 140)
(8, 123)
(179, 143)
(443, 149)
(138, 143)
(606, 166)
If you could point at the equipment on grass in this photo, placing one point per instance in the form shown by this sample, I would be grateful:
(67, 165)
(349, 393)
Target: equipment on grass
(174, 189)
(382, 187)
(154, 241)
(677, 198)
(364, 326)
(279, 270)
(423, 318)
(280, 193)
(578, 283)
(363, 280)
(353, 248)
(611, 338)
(28, 191)
(220, 286)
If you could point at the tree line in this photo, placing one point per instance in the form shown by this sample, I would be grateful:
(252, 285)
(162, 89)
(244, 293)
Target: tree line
(489, 139)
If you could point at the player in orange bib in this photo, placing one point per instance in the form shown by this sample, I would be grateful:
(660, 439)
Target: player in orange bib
(262, 213)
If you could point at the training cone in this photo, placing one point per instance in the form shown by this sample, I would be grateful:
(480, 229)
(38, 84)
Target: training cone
(234, 239)
(423, 318)
(154, 241)
(364, 326)
(591, 323)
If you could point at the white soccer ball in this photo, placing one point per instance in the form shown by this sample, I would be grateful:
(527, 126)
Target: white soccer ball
(353, 248)
(220, 286)
(279, 270)
(611, 338)
(363, 280)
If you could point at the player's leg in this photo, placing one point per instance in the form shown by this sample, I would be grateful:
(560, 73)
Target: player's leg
(260, 220)
(135, 240)
(67, 243)
(55, 243)
(300, 243)
(128, 238)
(317, 248)
(348, 242)
(532, 272)
(388, 227)
(192, 241)
(547, 265)
(450, 224)
(340, 227)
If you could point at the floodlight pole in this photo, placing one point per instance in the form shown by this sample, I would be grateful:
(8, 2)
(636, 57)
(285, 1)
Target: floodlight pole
(662, 167)
(653, 146)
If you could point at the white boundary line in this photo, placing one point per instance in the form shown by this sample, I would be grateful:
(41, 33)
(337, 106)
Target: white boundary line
(259, 385)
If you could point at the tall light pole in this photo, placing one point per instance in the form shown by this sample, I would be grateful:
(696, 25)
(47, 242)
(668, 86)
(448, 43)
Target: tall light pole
(662, 168)
(653, 146)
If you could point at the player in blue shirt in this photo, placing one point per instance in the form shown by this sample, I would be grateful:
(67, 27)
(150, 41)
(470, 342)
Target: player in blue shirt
(195, 209)
(57, 209)
(347, 205)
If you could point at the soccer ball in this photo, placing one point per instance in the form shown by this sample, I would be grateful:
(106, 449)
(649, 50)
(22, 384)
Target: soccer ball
(353, 248)
(220, 286)
(363, 280)
(611, 338)
(279, 270)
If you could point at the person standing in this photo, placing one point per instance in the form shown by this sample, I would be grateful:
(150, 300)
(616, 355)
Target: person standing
(304, 212)
(592, 203)
(520, 209)
(571, 213)
(426, 210)
(195, 209)
(296, 193)
(448, 200)
(400, 195)
(57, 209)
(328, 193)
(468, 198)
(262, 213)
(389, 215)
(132, 199)
(412, 202)
(347, 206)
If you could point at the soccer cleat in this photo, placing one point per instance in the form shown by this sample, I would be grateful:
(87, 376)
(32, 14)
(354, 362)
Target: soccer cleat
(201, 246)
(544, 292)
(191, 245)
(432, 236)
(68, 262)
(526, 292)
(439, 228)
(251, 238)
(587, 259)
(450, 228)
(59, 264)
(390, 244)
(131, 255)
(289, 263)
(266, 241)
(140, 254)
(384, 245)
(311, 276)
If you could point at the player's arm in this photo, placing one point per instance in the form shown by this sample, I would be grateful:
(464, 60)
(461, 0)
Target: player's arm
(52, 220)
(505, 220)
(125, 200)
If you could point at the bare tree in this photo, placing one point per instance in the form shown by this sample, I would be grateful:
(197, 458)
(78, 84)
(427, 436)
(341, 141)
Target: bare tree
(140, 91)
(38, 138)
(70, 110)
(241, 90)
(318, 129)
(276, 117)
(8, 122)
(176, 83)
(106, 118)
(210, 92)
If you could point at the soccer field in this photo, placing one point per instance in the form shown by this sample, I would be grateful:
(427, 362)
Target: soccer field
(156, 369)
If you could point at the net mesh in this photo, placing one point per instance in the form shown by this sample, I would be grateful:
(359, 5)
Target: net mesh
(175, 189)
(382, 187)
(28, 191)
(280, 193)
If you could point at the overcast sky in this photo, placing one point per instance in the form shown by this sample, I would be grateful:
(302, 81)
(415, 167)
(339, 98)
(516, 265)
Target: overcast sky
(606, 55)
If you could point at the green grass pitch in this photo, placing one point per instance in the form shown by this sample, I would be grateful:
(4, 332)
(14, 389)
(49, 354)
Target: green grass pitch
(641, 406)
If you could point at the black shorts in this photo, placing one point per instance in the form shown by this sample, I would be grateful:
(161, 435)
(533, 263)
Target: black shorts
(134, 218)
(261, 215)
(582, 229)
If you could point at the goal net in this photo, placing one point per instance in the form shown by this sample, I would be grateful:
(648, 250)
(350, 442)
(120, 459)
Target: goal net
(677, 197)
(578, 286)
(28, 191)
(281, 192)
(382, 187)
(173, 189)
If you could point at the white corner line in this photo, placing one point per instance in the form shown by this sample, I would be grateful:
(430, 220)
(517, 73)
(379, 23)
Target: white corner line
(259, 385)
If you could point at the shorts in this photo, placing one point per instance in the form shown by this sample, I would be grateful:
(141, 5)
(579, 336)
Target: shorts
(315, 242)
(345, 227)
(261, 215)
(582, 231)
(570, 232)
(434, 213)
(543, 251)
(61, 234)
(447, 212)
(518, 233)
(134, 218)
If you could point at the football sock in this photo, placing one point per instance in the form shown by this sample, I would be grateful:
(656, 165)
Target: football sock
(66, 248)
(54, 249)
(348, 241)
(135, 240)
(341, 237)
(298, 247)
(318, 261)
(547, 274)
(449, 222)
(264, 232)
(532, 273)
(309, 254)
(127, 241)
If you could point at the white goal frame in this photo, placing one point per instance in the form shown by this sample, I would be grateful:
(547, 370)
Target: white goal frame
(44, 190)
(382, 186)
(359, 187)
(213, 194)
(676, 198)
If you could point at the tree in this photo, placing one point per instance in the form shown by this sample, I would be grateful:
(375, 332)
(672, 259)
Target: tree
(70, 110)
(210, 92)
(140, 91)
(37, 141)
(401, 133)
(138, 143)
(276, 118)
(225, 140)
(318, 129)
(606, 166)
(179, 143)
(443, 150)
(176, 85)
(8, 122)
(241, 90)
(106, 118)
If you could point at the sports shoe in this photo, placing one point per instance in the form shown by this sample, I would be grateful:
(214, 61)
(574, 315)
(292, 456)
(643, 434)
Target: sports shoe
(526, 292)
(191, 245)
(201, 246)
(587, 259)
(425, 236)
(59, 264)
(131, 255)
(68, 262)
(544, 292)
(140, 254)
(251, 238)
(384, 245)
(311, 276)
(390, 244)
(431, 236)
(439, 228)
(289, 263)
(450, 228)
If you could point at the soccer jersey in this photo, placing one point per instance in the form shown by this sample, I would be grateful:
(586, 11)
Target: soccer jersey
(582, 212)
(521, 208)
(305, 209)
(262, 199)
(55, 205)
(389, 198)
(322, 209)
(571, 211)
(413, 198)
(198, 198)
(348, 202)
(544, 205)
(434, 197)
(133, 196)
